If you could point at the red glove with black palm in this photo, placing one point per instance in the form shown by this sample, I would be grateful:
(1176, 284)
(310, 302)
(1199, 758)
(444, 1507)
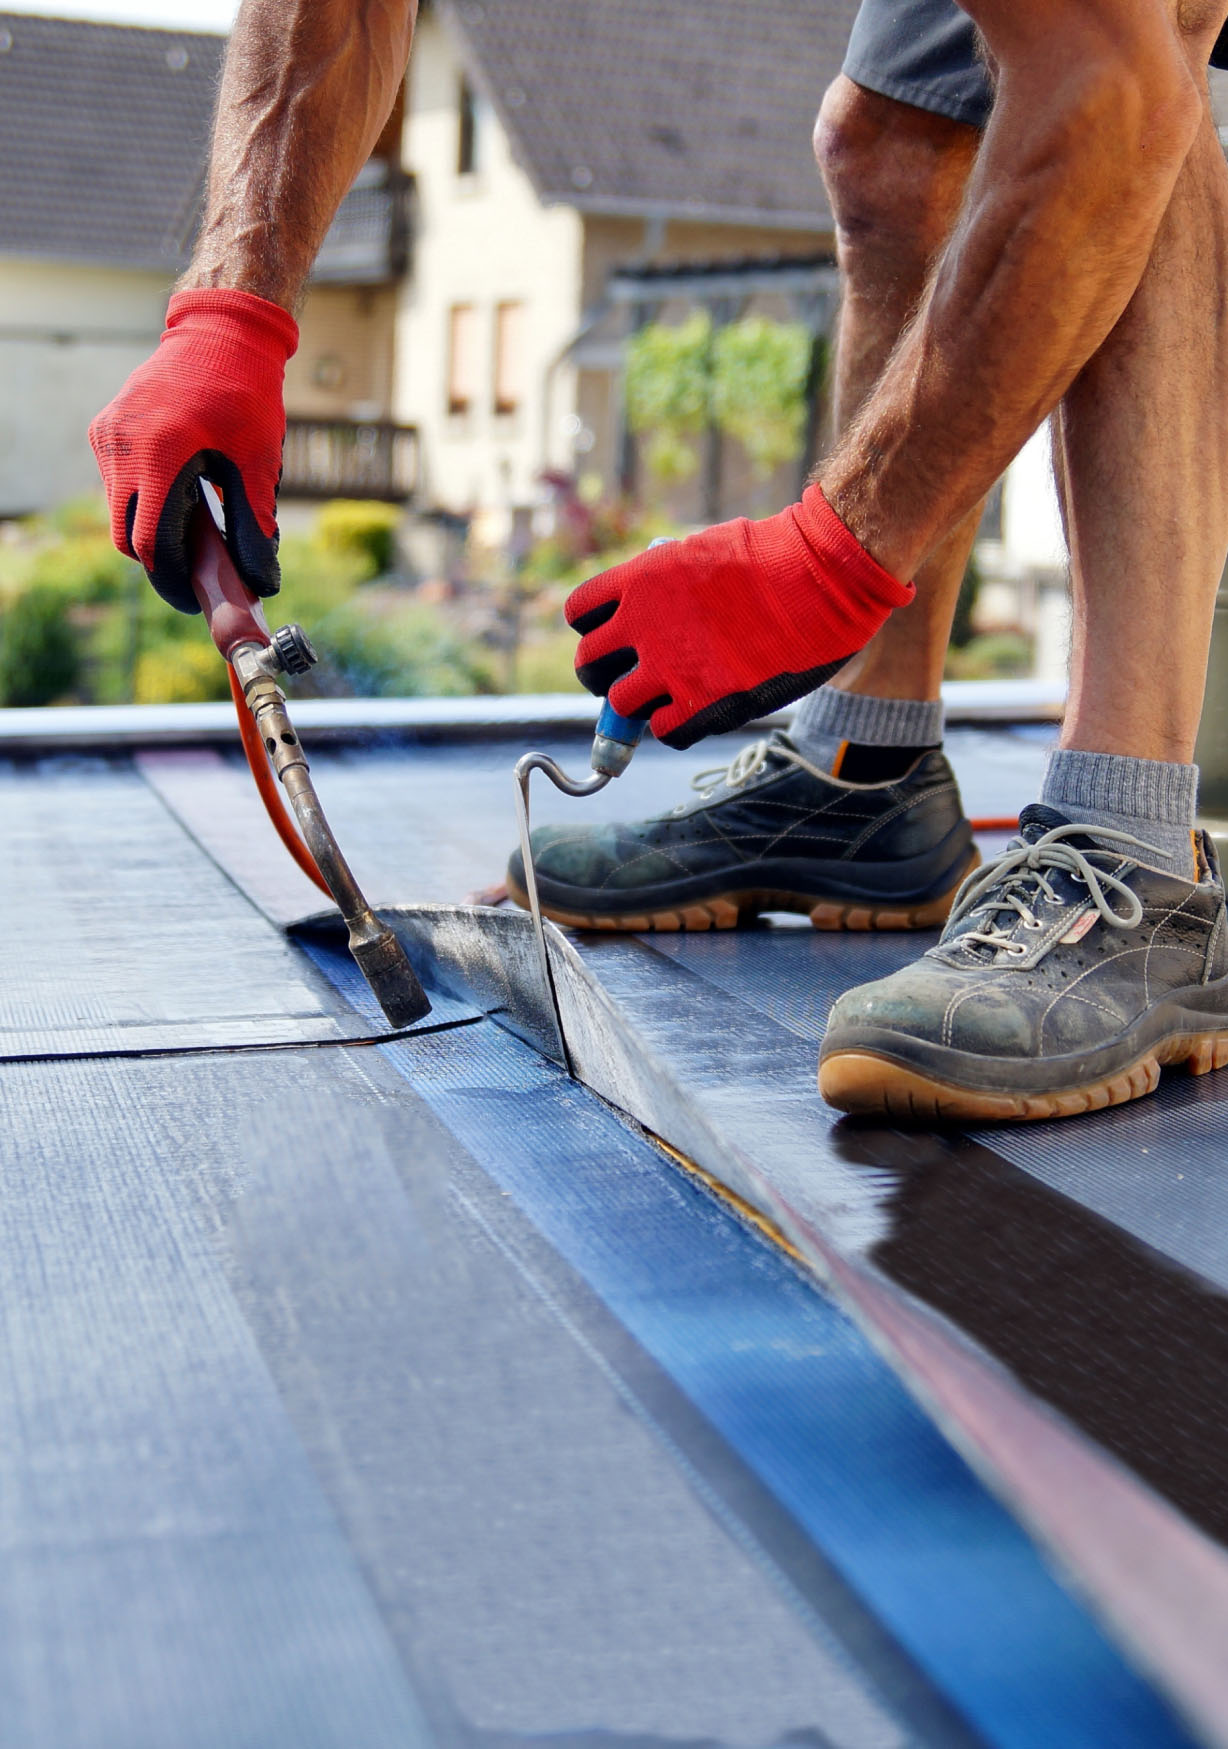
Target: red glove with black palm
(207, 405)
(703, 634)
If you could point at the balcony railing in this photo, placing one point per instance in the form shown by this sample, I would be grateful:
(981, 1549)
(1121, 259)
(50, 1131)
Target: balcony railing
(368, 241)
(341, 458)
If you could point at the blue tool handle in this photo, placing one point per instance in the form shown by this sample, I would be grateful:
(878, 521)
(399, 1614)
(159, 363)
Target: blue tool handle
(629, 730)
(616, 738)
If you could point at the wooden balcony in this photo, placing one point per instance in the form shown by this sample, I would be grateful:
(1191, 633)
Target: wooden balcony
(342, 458)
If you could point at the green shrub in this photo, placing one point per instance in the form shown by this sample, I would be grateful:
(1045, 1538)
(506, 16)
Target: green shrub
(175, 671)
(560, 563)
(407, 653)
(360, 529)
(85, 568)
(39, 656)
(992, 656)
(546, 663)
(314, 581)
(78, 517)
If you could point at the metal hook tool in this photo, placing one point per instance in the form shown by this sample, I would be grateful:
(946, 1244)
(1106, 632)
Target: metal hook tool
(525, 767)
(614, 742)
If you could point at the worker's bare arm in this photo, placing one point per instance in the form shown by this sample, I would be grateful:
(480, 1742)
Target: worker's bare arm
(1098, 105)
(307, 87)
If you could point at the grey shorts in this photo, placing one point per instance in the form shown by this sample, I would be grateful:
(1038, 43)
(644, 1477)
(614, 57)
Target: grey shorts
(924, 52)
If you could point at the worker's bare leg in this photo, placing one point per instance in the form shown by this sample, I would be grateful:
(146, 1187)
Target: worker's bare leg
(1098, 105)
(895, 176)
(1142, 444)
(1048, 998)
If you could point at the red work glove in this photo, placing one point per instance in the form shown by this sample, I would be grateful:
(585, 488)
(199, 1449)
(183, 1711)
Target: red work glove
(208, 404)
(704, 634)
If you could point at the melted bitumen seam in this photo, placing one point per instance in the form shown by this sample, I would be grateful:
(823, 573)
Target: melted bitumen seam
(1128, 1345)
(1118, 1336)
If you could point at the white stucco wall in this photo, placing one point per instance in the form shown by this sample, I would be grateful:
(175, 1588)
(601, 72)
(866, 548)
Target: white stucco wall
(1031, 523)
(1026, 572)
(68, 338)
(481, 239)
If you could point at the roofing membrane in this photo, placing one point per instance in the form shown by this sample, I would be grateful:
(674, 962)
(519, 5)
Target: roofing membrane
(409, 1392)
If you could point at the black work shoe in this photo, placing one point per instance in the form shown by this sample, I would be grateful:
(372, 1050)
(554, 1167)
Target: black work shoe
(1069, 974)
(770, 833)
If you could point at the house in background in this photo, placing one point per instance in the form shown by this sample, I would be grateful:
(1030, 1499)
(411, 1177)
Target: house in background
(103, 137)
(559, 147)
(557, 172)
(550, 144)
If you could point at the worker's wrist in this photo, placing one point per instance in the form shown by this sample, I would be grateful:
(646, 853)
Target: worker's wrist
(259, 279)
(254, 317)
(829, 533)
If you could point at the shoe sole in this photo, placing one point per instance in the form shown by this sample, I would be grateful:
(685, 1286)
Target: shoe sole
(867, 1085)
(728, 910)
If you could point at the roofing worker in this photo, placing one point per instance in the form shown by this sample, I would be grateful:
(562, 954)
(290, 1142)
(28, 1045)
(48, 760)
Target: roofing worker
(1051, 234)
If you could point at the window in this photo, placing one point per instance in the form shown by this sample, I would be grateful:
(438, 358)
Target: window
(509, 357)
(463, 374)
(466, 130)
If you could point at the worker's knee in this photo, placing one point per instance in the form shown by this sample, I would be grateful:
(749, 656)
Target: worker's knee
(894, 174)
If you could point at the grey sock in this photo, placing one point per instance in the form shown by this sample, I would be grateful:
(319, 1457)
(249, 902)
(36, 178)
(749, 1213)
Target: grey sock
(827, 718)
(1152, 800)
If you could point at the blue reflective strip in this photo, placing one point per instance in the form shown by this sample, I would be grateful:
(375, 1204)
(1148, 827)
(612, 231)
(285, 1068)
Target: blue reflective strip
(797, 1392)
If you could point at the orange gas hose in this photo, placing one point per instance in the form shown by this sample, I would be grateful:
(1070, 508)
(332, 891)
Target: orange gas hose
(266, 783)
(1008, 823)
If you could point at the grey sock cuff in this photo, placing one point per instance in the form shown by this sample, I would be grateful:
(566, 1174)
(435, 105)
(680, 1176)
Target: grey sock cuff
(1111, 783)
(871, 722)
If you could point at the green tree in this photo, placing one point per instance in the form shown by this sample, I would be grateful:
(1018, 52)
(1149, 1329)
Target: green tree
(963, 629)
(749, 378)
(760, 370)
(669, 392)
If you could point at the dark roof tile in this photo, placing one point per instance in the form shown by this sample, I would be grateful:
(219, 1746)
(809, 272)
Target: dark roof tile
(103, 133)
(704, 107)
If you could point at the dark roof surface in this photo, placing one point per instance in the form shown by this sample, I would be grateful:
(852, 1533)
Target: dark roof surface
(705, 107)
(103, 131)
(331, 1375)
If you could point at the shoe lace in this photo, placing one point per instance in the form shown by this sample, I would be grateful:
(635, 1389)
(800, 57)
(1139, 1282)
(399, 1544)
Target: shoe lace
(1016, 880)
(745, 765)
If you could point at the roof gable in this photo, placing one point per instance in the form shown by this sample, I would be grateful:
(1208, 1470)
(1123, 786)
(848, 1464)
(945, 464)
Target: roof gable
(702, 109)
